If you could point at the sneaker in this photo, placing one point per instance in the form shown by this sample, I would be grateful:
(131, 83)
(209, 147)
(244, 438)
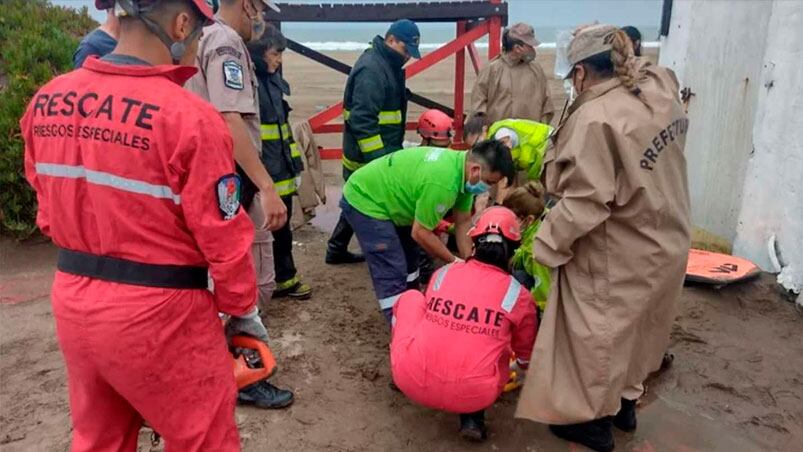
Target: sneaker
(596, 435)
(625, 419)
(472, 427)
(343, 257)
(264, 395)
(293, 288)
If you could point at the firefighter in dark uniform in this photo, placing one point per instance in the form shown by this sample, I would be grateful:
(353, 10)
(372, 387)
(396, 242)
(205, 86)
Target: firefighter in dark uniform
(280, 154)
(374, 113)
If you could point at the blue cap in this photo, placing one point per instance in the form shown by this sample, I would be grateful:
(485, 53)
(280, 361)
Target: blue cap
(406, 31)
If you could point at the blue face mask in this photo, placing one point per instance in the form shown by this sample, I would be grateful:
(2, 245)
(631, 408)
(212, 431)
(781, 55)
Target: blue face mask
(476, 189)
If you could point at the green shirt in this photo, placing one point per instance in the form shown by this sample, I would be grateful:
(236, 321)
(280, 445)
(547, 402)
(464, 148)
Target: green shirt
(420, 184)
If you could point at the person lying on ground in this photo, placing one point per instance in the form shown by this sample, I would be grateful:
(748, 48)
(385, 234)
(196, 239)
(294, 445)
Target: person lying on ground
(527, 202)
(451, 346)
(394, 204)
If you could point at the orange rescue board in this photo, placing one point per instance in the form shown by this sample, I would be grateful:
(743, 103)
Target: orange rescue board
(718, 269)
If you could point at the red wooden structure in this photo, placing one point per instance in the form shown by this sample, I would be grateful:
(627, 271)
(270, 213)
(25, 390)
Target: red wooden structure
(473, 19)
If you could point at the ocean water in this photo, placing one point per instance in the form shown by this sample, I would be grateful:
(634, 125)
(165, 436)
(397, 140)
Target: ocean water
(548, 17)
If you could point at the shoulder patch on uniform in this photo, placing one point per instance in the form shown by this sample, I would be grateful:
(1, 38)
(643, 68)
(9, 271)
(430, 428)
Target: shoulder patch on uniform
(228, 190)
(233, 75)
(229, 50)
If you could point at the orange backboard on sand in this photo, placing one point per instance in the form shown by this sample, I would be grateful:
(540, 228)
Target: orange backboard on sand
(718, 269)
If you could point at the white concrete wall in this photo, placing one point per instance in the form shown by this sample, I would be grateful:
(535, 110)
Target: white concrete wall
(743, 60)
(772, 199)
(717, 48)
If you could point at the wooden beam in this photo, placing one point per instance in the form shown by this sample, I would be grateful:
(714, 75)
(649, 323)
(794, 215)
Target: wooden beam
(379, 12)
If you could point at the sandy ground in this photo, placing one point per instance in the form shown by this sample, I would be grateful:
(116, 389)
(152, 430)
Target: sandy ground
(736, 384)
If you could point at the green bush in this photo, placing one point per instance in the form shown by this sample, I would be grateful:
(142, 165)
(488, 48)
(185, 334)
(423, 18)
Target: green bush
(37, 41)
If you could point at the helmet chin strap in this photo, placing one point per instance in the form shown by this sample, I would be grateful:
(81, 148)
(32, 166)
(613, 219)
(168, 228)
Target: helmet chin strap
(177, 48)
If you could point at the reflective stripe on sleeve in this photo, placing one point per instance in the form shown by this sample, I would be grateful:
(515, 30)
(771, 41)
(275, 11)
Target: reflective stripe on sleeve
(511, 295)
(413, 276)
(294, 152)
(390, 117)
(285, 187)
(351, 165)
(107, 180)
(371, 144)
(270, 132)
(440, 277)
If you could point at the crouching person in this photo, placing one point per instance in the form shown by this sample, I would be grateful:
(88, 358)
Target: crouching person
(395, 202)
(451, 346)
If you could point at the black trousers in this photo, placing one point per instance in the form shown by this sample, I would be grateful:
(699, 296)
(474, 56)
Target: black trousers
(341, 236)
(283, 247)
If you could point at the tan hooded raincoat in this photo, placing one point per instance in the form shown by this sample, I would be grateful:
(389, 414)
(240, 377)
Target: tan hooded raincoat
(512, 89)
(619, 239)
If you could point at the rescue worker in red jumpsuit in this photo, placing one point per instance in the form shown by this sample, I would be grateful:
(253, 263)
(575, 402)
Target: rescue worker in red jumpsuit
(137, 187)
(451, 346)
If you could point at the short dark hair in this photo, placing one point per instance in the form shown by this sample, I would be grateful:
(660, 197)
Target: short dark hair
(600, 64)
(496, 156)
(632, 33)
(474, 124)
(272, 38)
(508, 43)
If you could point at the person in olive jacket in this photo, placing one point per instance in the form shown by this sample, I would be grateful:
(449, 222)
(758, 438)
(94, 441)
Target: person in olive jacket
(280, 154)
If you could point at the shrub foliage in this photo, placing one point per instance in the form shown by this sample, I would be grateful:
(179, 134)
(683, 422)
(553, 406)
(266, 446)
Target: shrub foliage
(37, 41)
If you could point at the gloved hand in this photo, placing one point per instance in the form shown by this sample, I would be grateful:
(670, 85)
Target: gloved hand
(519, 369)
(249, 325)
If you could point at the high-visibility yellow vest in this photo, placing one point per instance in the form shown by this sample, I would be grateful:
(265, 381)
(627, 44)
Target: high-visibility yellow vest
(533, 140)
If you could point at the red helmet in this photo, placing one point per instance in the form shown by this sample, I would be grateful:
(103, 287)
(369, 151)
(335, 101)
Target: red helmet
(435, 124)
(497, 220)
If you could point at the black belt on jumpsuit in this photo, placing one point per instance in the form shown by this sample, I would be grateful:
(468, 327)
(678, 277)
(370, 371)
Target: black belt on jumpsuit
(129, 272)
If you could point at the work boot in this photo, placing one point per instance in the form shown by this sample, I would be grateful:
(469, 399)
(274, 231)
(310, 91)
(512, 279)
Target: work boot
(293, 288)
(472, 427)
(596, 435)
(343, 257)
(625, 419)
(264, 395)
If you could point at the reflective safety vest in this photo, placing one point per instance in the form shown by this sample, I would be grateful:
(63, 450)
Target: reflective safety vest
(523, 260)
(533, 140)
(374, 106)
(280, 153)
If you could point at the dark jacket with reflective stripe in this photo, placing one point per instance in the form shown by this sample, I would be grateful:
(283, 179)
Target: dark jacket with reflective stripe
(280, 154)
(374, 106)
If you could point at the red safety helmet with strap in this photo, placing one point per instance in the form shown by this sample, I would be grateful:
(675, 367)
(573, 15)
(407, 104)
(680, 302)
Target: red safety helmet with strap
(497, 220)
(435, 124)
(207, 7)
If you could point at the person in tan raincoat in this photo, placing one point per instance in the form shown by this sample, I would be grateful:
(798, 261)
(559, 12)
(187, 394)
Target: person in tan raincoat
(618, 239)
(513, 85)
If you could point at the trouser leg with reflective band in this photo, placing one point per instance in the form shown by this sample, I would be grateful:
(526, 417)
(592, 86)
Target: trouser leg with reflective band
(135, 353)
(383, 252)
(411, 251)
(262, 252)
(283, 247)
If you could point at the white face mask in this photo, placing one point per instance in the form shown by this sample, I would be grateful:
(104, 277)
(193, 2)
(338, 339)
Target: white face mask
(568, 87)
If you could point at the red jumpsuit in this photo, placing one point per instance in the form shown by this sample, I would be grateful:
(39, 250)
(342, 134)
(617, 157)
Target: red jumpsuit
(128, 164)
(451, 346)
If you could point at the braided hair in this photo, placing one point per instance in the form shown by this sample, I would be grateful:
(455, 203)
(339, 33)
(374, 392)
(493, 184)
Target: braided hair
(618, 62)
(624, 61)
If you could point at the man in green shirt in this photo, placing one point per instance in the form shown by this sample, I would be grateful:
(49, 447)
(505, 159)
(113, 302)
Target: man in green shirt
(394, 203)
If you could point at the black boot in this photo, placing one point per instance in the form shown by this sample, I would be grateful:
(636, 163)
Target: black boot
(596, 435)
(625, 419)
(337, 249)
(472, 427)
(264, 395)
